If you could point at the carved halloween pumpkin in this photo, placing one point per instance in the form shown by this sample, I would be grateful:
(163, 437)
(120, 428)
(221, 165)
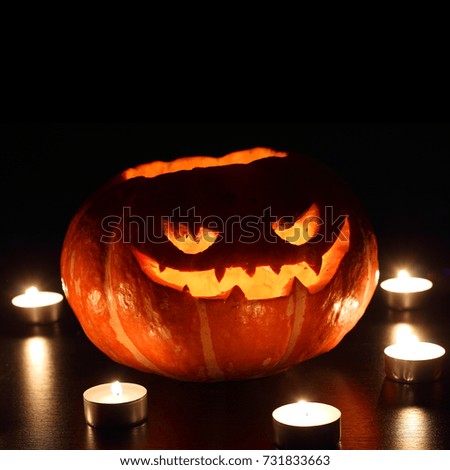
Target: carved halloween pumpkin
(223, 268)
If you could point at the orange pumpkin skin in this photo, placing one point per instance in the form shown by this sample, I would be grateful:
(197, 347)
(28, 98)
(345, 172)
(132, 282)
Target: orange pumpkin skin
(153, 324)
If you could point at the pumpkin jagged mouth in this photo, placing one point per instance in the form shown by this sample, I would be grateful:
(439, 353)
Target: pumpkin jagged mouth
(264, 283)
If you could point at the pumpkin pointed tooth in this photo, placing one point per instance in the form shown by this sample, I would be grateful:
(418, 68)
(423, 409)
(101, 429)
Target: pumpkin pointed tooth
(186, 289)
(237, 294)
(197, 231)
(193, 230)
(250, 270)
(276, 269)
(314, 261)
(181, 231)
(219, 272)
(161, 268)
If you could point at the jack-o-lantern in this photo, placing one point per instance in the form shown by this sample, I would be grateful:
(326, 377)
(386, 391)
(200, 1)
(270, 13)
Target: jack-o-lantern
(223, 268)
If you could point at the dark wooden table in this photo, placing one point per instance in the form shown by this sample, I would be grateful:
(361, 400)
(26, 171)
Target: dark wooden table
(45, 369)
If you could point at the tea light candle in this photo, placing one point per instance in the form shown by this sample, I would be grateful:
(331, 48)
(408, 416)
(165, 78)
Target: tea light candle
(307, 425)
(115, 404)
(405, 292)
(411, 360)
(37, 306)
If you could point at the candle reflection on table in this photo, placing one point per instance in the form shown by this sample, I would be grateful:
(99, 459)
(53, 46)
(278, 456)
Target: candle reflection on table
(394, 394)
(39, 383)
(412, 426)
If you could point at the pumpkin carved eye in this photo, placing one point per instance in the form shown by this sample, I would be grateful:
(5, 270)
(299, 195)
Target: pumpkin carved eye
(302, 230)
(180, 236)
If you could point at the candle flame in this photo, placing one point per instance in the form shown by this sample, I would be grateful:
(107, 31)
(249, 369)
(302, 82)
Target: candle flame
(403, 274)
(31, 291)
(405, 336)
(409, 340)
(116, 388)
(303, 408)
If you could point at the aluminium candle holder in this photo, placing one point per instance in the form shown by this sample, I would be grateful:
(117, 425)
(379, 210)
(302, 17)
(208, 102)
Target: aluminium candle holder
(319, 427)
(104, 408)
(425, 364)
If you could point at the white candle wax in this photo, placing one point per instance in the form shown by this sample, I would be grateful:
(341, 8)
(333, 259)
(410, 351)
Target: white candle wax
(305, 425)
(405, 284)
(36, 298)
(38, 306)
(404, 291)
(115, 404)
(419, 351)
(306, 414)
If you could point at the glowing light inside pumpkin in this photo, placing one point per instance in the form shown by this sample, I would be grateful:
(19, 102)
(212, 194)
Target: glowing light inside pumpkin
(263, 284)
(304, 228)
(186, 241)
(150, 170)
